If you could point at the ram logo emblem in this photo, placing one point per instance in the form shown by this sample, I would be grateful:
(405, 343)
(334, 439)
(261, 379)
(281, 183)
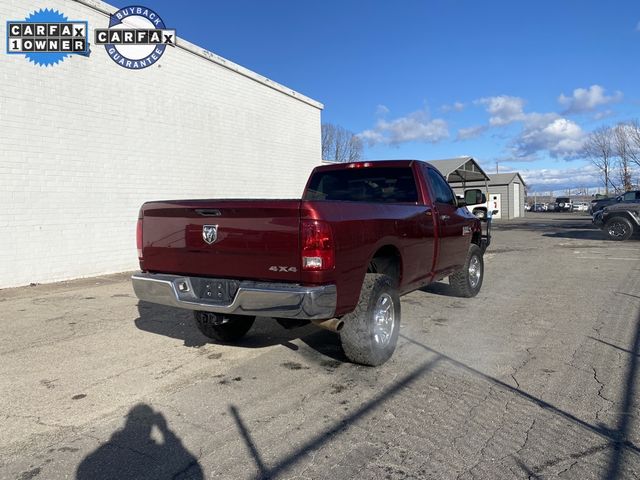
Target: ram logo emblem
(210, 233)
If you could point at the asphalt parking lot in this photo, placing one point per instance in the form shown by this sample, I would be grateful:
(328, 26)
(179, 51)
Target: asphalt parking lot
(537, 377)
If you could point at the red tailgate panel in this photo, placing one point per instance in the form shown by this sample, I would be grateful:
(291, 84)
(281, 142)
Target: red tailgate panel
(256, 239)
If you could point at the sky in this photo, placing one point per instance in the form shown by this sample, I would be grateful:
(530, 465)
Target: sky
(517, 85)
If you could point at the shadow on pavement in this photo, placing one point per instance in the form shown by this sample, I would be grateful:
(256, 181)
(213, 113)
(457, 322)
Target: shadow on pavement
(132, 453)
(542, 224)
(615, 439)
(266, 332)
(621, 432)
(265, 472)
(439, 288)
(578, 234)
(170, 322)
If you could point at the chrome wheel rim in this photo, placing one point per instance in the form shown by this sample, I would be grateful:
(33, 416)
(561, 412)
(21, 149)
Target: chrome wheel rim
(475, 270)
(617, 229)
(383, 320)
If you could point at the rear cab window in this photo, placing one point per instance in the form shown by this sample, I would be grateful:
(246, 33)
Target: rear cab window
(371, 184)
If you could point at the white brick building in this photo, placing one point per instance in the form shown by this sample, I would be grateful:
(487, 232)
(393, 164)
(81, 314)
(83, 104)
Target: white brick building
(85, 142)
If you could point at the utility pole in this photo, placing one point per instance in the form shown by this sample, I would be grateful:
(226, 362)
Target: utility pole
(497, 167)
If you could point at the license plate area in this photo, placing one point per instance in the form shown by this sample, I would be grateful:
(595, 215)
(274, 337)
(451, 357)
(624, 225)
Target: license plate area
(215, 290)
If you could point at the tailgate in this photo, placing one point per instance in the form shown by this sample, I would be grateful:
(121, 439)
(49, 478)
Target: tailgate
(244, 239)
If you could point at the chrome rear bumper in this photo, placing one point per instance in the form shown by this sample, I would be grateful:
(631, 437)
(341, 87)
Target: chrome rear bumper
(252, 298)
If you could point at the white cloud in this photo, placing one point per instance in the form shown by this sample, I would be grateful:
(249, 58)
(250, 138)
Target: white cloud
(503, 109)
(471, 132)
(604, 114)
(415, 127)
(382, 110)
(455, 107)
(587, 99)
(555, 179)
(561, 137)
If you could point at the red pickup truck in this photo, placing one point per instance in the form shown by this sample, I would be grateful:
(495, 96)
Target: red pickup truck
(362, 235)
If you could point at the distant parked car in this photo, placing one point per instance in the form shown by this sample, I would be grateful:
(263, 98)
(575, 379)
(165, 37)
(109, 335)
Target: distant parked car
(580, 206)
(564, 204)
(619, 221)
(631, 196)
(551, 207)
(537, 207)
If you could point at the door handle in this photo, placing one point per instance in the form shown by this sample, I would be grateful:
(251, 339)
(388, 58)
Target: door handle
(445, 217)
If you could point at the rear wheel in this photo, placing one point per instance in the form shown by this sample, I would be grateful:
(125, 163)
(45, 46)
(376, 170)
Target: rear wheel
(370, 332)
(618, 228)
(467, 281)
(223, 328)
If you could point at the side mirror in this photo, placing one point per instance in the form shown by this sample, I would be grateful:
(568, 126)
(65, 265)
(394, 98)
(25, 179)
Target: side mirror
(618, 199)
(474, 196)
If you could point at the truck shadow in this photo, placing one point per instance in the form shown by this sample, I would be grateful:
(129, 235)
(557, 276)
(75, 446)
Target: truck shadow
(438, 288)
(266, 332)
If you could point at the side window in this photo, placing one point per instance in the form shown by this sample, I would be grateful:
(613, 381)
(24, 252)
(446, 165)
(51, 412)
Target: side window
(441, 188)
(629, 196)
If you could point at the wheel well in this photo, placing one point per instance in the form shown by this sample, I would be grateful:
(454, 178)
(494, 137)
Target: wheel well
(625, 215)
(387, 260)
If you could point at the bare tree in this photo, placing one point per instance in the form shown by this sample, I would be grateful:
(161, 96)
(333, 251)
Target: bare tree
(633, 130)
(624, 151)
(340, 144)
(327, 139)
(599, 148)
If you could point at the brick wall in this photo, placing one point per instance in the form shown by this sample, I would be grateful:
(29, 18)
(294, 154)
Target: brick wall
(84, 143)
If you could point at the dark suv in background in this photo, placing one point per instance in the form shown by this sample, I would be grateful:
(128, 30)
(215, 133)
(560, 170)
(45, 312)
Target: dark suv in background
(563, 204)
(619, 221)
(632, 196)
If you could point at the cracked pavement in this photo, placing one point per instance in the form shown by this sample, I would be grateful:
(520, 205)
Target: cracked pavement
(534, 378)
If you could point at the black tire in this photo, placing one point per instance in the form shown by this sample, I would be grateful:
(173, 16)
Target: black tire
(362, 339)
(465, 282)
(618, 228)
(223, 328)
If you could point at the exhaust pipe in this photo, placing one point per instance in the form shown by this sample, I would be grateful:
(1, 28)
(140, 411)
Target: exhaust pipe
(333, 324)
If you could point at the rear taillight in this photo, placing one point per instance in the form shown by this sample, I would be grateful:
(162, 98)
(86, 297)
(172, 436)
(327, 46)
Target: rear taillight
(139, 238)
(317, 245)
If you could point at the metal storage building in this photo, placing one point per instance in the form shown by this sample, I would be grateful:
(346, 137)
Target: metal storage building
(506, 194)
(85, 142)
(506, 190)
(460, 169)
